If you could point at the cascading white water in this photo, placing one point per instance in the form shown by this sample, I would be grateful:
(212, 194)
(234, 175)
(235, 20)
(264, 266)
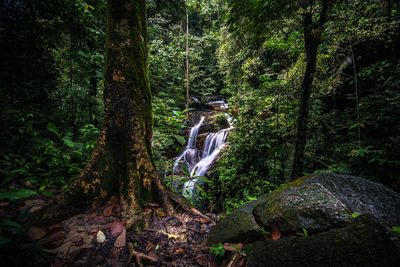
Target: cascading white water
(188, 156)
(212, 146)
(218, 104)
(196, 165)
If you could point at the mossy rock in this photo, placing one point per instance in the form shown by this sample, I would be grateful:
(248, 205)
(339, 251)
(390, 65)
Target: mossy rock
(364, 242)
(309, 206)
(214, 121)
(238, 226)
(318, 203)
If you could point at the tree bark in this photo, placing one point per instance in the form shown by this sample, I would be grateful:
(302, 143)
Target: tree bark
(312, 38)
(121, 163)
(93, 80)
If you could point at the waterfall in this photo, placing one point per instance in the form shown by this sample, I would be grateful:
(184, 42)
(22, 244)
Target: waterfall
(199, 164)
(188, 156)
(212, 146)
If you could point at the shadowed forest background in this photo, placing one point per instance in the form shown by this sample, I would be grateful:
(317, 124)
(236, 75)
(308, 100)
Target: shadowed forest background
(249, 53)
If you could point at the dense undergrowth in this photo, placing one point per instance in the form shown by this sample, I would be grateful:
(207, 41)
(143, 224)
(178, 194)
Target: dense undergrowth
(51, 108)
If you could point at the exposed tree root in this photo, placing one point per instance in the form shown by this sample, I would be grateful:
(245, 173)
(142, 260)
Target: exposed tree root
(139, 256)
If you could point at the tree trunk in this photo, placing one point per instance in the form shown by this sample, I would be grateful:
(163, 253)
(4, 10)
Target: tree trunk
(121, 163)
(92, 96)
(93, 80)
(312, 37)
(187, 104)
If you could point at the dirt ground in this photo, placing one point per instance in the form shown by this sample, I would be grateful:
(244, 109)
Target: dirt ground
(100, 238)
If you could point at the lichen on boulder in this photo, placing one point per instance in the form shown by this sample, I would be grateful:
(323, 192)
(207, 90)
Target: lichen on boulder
(322, 204)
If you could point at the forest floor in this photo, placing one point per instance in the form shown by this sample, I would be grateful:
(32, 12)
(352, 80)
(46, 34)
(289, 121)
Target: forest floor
(100, 238)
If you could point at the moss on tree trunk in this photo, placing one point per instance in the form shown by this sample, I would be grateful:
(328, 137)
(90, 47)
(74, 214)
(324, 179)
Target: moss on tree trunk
(121, 163)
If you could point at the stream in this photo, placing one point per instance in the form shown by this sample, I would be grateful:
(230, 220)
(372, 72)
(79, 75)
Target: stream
(198, 161)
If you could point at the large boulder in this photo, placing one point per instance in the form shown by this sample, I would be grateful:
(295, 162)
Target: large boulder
(319, 203)
(238, 226)
(364, 242)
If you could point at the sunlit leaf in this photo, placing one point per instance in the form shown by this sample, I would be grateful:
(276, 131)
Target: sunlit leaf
(186, 170)
(180, 139)
(68, 142)
(52, 128)
(16, 194)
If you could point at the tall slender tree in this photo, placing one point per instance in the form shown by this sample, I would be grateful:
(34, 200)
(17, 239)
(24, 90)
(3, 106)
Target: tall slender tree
(255, 16)
(121, 163)
(312, 38)
(187, 102)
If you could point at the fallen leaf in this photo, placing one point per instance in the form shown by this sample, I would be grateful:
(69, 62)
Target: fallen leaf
(101, 237)
(57, 243)
(116, 228)
(78, 242)
(154, 205)
(242, 262)
(53, 251)
(149, 246)
(59, 263)
(70, 257)
(116, 209)
(36, 233)
(275, 233)
(56, 236)
(229, 248)
(4, 204)
(114, 199)
(180, 251)
(92, 215)
(121, 240)
(203, 220)
(173, 236)
(213, 263)
(58, 225)
(108, 211)
(160, 213)
(202, 260)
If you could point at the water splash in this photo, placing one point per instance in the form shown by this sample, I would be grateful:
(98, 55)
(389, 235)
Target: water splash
(199, 164)
(190, 154)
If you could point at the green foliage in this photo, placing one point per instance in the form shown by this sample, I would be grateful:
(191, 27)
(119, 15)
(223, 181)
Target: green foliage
(16, 194)
(353, 215)
(304, 233)
(217, 249)
(15, 244)
(263, 231)
(261, 55)
(396, 229)
(50, 161)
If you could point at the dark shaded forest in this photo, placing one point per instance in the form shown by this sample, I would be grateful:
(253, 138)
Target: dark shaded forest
(197, 107)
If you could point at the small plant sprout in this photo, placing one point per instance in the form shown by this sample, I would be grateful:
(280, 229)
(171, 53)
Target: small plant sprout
(217, 249)
(353, 215)
(396, 229)
(304, 233)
